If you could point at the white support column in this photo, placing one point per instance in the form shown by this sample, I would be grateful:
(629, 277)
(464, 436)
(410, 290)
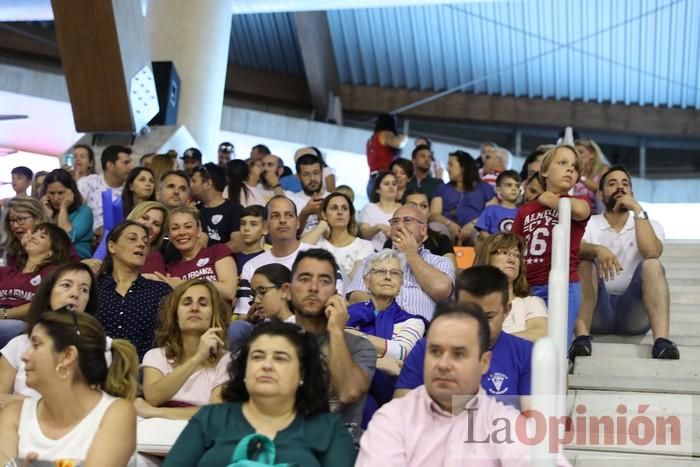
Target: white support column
(195, 36)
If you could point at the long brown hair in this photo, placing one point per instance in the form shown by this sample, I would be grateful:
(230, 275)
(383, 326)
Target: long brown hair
(168, 334)
(505, 241)
(60, 247)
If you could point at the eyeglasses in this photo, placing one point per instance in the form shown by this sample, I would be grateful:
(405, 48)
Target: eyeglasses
(393, 273)
(226, 147)
(509, 253)
(19, 220)
(260, 292)
(406, 220)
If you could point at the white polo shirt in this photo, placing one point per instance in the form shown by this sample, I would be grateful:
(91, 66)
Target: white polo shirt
(623, 244)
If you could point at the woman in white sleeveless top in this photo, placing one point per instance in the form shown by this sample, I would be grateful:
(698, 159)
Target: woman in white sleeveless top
(81, 415)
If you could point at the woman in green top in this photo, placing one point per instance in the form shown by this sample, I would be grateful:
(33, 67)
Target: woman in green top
(278, 388)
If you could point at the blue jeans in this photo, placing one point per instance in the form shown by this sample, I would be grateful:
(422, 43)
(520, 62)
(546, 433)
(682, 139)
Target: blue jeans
(542, 291)
(9, 329)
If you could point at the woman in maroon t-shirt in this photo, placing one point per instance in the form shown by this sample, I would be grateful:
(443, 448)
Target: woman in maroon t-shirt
(214, 263)
(43, 249)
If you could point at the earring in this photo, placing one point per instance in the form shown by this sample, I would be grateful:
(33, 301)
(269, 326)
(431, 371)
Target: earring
(62, 371)
(301, 383)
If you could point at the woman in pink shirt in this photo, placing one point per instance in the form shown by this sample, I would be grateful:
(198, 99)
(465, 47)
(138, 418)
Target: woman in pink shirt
(189, 366)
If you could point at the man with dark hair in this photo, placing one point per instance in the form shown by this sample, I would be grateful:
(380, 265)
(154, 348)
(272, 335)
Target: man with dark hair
(225, 151)
(508, 376)
(259, 151)
(281, 224)
(449, 419)
(308, 201)
(323, 312)
(116, 165)
(623, 284)
(174, 189)
(422, 157)
(191, 159)
(220, 217)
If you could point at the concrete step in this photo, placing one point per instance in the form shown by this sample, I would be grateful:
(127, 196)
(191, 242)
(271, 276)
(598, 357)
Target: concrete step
(692, 341)
(591, 407)
(581, 458)
(636, 374)
(641, 351)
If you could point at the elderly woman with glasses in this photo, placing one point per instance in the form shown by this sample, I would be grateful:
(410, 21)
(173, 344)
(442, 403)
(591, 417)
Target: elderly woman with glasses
(392, 331)
(527, 317)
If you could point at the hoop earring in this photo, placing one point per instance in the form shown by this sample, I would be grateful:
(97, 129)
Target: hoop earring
(60, 368)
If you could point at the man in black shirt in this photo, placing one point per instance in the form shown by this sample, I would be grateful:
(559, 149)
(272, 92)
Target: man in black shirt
(220, 217)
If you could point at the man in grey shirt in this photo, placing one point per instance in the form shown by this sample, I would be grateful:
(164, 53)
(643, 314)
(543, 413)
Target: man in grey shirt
(319, 309)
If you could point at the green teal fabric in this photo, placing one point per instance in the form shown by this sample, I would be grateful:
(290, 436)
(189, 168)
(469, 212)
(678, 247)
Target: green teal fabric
(212, 435)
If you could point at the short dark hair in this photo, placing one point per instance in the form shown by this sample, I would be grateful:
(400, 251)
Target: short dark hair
(41, 303)
(529, 160)
(114, 236)
(319, 254)
(179, 173)
(111, 154)
(254, 210)
(614, 168)
(512, 174)
(481, 281)
(312, 395)
(261, 148)
(419, 148)
(213, 172)
(307, 159)
(267, 205)
(405, 164)
(22, 170)
(466, 310)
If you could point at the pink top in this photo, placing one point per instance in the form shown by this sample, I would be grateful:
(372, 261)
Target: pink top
(198, 387)
(414, 431)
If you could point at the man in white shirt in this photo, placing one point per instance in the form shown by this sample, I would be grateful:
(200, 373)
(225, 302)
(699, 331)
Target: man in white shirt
(309, 199)
(116, 165)
(623, 284)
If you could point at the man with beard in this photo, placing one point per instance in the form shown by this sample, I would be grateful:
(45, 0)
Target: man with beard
(273, 168)
(321, 310)
(623, 284)
(309, 199)
(422, 157)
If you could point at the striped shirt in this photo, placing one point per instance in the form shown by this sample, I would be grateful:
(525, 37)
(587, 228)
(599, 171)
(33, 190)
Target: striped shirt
(412, 297)
(404, 337)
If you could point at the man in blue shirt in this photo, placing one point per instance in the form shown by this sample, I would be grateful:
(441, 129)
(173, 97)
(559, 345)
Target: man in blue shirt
(508, 377)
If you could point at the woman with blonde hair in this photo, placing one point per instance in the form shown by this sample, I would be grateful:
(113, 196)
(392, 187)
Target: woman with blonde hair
(189, 366)
(154, 216)
(527, 317)
(82, 414)
(593, 166)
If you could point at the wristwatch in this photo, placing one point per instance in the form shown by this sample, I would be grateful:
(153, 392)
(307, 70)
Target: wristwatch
(642, 216)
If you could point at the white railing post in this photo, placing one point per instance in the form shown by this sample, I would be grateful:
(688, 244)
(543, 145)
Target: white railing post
(545, 371)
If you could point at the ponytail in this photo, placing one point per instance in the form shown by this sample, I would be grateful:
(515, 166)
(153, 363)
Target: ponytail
(121, 380)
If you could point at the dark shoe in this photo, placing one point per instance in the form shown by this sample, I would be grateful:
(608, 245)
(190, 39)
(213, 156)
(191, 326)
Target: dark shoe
(580, 347)
(665, 349)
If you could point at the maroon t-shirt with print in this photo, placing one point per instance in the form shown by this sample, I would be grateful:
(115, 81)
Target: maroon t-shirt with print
(18, 288)
(202, 265)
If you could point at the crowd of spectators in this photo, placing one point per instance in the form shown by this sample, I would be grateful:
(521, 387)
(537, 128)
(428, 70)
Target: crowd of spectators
(266, 309)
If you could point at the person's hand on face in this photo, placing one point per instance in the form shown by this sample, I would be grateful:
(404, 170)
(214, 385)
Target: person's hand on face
(271, 178)
(67, 199)
(626, 202)
(209, 344)
(336, 311)
(405, 241)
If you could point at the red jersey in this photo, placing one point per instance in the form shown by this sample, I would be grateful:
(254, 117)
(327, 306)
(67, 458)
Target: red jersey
(379, 156)
(202, 265)
(535, 222)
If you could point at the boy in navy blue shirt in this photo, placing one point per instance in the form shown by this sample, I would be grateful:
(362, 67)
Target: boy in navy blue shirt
(499, 217)
(508, 377)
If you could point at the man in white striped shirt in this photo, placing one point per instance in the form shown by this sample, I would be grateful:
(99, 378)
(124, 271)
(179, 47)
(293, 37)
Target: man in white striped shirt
(427, 278)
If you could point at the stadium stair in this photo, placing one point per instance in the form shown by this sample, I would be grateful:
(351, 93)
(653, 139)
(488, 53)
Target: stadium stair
(621, 371)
